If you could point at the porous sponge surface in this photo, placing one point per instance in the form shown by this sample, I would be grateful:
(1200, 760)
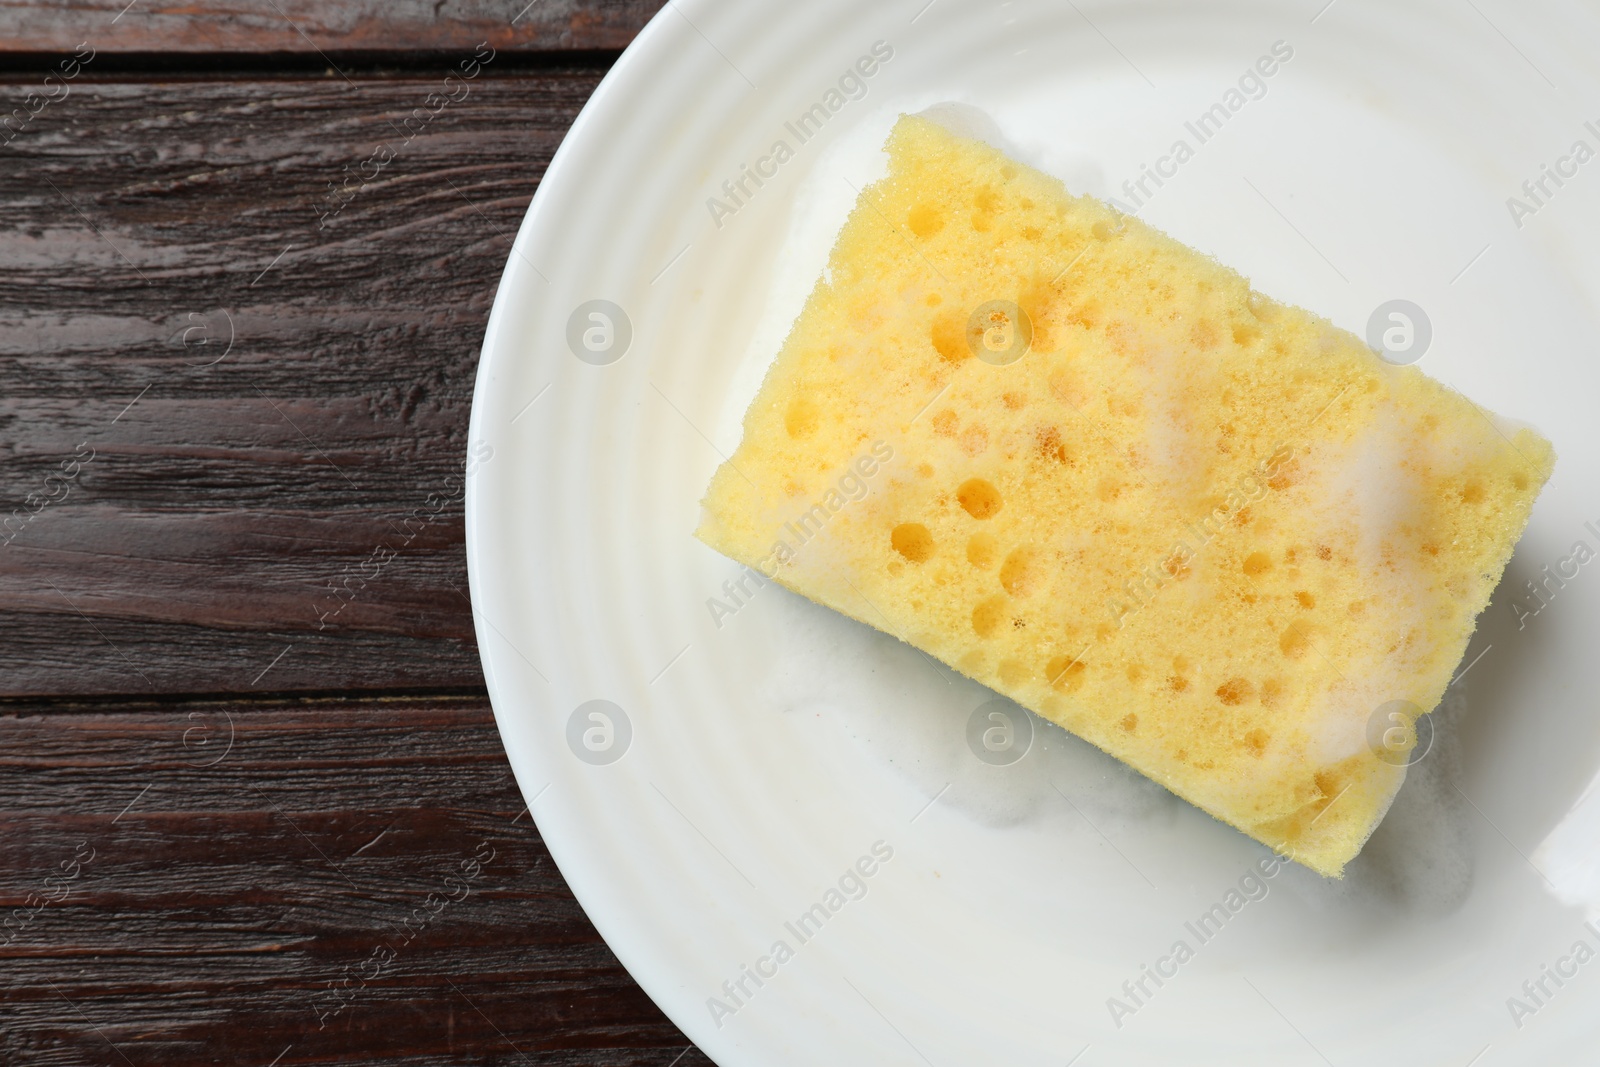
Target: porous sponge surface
(1210, 533)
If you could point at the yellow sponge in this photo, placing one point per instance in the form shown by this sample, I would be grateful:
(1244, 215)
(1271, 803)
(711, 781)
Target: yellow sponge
(1091, 468)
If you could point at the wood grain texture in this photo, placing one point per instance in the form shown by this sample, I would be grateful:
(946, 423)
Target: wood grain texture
(234, 401)
(357, 883)
(313, 26)
(239, 326)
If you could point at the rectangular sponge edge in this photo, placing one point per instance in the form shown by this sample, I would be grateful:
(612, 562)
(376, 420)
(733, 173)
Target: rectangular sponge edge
(1091, 468)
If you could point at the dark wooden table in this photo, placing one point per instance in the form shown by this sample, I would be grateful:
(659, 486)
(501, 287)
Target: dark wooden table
(253, 806)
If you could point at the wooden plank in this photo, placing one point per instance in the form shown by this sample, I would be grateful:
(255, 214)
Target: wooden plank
(320, 26)
(356, 883)
(235, 404)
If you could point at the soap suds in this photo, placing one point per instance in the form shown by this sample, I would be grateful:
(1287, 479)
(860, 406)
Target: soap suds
(910, 713)
(1419, 861)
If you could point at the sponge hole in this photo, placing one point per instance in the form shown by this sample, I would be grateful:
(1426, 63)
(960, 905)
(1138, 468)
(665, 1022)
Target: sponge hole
(1272, 691)
(987, 616)
(913, 541)
(981, 551)
(1295, 641)
(1013, 672)
(1022, 572)
(1066, 673)
(984, 204)
(949, 337)
(925, 220)
(1257, 563)
(979, 499)
(1235, 691)
(801, 419)
(1048, 444)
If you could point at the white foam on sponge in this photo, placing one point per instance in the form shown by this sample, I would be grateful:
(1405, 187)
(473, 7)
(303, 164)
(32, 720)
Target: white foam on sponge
(1420, 859)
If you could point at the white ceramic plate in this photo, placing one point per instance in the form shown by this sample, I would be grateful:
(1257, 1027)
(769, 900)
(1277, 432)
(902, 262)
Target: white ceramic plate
(738, 772)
